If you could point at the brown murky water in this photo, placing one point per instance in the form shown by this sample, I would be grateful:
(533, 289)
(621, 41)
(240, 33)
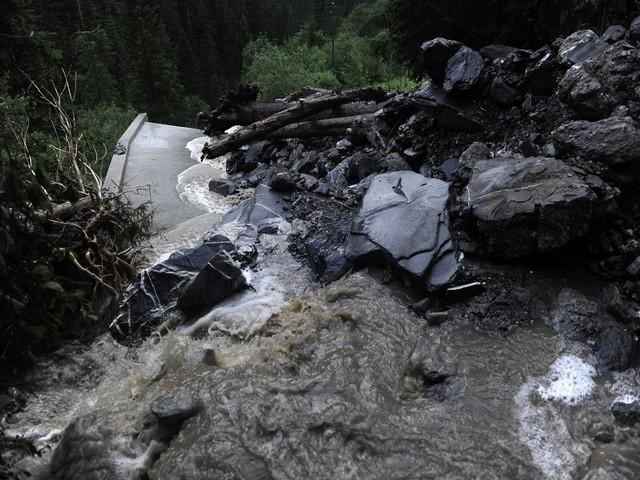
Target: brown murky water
(345, 382)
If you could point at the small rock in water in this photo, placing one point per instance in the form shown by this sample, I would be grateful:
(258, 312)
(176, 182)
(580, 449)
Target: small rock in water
(223, 187)
(206, 357)
(174, 408)
(626, 410)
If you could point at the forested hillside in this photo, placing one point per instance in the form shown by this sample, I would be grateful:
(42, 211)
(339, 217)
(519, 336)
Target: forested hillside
(166, 57)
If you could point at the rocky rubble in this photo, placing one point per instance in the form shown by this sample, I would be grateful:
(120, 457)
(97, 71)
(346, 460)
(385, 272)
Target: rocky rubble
(502, 154)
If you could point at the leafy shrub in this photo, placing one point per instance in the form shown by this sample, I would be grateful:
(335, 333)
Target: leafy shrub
(280, 70)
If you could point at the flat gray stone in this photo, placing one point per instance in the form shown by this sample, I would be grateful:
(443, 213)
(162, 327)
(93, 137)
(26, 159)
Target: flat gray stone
(404, 220)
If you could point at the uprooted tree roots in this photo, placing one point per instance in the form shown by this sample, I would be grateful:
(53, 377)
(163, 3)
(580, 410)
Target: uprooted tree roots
(61, 268)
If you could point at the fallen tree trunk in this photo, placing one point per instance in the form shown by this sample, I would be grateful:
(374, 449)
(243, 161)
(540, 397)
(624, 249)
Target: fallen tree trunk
(330, 127)
(248, 114)
(300, 110)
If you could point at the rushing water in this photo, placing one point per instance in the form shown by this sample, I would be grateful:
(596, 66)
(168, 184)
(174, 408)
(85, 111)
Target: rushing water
(341, 382)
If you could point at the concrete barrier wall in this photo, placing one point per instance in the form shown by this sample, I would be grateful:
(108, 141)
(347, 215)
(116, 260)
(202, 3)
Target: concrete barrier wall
(118, 167)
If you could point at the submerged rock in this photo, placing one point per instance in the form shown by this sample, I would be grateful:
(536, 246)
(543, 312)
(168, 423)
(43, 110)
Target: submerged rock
(403, 220)
(626, 410)
(614, 141)
(521, 207)
(156, 290)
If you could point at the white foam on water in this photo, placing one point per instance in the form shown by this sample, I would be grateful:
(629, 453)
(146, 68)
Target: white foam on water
(196, 145)
(570, 381)
(193, 183)
(542, 427)
(627, 399)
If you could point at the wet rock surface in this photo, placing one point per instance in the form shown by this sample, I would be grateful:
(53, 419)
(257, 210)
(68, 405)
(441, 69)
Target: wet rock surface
(217, 280)
(463, 71)
(596, 87)
(156, 291)
(521, 207)
(403, 220)
(578, 318)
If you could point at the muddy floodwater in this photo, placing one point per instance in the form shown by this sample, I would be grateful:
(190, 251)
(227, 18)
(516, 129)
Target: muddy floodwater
(341, 382)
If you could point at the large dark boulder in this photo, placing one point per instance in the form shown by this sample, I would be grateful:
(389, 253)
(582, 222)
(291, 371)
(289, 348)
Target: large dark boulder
(596, 87)
(541, 75)
(451, 112)
(614, 141)
(156, 290)
(436, 54)
(518, 207)
(403, 222)
(464, 70)
(218, 279)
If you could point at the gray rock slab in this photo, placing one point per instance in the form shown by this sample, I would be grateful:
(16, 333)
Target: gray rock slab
(403, 219)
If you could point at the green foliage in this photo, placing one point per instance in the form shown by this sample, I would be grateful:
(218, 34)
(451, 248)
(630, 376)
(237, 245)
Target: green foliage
(280, 70)
(101, 127)
(362, 56)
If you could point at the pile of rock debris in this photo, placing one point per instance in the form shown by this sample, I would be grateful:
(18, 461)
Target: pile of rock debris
(504, 172)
